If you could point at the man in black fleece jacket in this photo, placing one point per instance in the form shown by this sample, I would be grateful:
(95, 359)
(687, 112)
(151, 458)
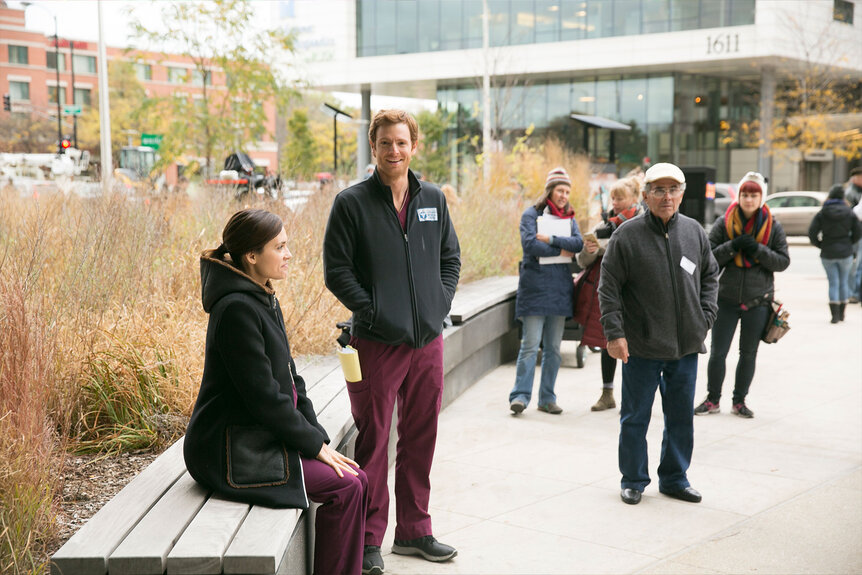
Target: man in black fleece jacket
(391, 256)
(658, 296)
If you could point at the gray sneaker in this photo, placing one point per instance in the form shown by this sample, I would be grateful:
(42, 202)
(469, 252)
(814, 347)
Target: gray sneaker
(427, 547)
(517, 406)
(372, 561)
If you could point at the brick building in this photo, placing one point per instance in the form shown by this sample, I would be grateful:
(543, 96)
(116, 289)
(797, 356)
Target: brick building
(29, 67)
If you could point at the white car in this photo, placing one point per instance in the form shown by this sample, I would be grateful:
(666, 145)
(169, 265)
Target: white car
(795, 210)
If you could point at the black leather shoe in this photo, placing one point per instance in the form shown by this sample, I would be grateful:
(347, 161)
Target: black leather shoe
(630, 496)
(689, 494)
(427, 547)
(372, 561)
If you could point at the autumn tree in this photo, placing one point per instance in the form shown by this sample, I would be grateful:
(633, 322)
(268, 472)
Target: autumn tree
(300, 158)
(434, 151)
(219, 39)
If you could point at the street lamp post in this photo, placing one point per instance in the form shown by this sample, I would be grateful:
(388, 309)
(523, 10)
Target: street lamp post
(335, 112)
(57, 68)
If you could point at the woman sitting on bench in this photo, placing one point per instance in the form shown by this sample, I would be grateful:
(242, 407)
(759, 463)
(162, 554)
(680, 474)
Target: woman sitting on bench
(253, 435)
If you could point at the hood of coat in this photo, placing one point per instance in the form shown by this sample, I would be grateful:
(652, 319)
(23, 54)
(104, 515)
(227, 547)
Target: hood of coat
(219, 278)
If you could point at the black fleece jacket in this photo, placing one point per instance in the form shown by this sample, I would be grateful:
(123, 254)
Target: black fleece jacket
(399, 285)
(246, 394)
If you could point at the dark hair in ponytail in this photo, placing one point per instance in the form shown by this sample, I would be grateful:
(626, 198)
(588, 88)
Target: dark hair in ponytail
(248, 231)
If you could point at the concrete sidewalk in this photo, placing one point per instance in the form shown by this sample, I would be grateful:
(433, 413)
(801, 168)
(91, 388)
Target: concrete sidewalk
(782, 493)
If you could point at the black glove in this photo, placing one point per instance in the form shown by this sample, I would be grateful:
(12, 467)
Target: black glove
(750, 247)
(744, 243)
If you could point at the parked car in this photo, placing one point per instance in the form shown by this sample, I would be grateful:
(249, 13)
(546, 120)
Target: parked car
(725, 194)
(795, 210)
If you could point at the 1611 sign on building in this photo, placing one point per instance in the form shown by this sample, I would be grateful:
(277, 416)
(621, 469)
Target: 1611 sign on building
(723, 44)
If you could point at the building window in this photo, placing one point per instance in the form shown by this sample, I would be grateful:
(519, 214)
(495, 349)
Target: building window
(85, 64)
(144, 72)
(52, 61)
(177, 75)
(199, 76)
(19, 90)
(82, 96)
(18, 55)
(52, 94)
(842, 11)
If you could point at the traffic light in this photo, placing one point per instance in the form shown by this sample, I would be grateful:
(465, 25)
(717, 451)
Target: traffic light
(64, 144)
(7, 103)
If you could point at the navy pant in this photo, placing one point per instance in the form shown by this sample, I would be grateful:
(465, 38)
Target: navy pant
(752, 322)
(340, 526)
(675, 380)
(413, 378)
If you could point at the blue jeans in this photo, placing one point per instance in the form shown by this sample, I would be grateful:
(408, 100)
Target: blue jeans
(675, 380)
(856, 272)
(549, 330)
(838, 274)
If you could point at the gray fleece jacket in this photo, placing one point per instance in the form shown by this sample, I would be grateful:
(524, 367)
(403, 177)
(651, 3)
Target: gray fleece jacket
(659, 287)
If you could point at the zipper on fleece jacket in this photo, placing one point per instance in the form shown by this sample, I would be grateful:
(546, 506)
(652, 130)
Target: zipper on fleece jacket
(413, 311)
(675, 290)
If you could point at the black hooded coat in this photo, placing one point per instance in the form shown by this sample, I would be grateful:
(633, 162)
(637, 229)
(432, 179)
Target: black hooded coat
(246, 433)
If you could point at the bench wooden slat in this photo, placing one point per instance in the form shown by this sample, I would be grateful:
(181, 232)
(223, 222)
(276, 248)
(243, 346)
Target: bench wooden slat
(87, 551)
(314, 370)
(475, 297)
(333, 417)
(145, 549)
(262, 539)
(201, 547)
(326, 390)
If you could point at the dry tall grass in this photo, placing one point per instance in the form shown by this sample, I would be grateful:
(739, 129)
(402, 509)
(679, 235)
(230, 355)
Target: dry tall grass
(102, 330)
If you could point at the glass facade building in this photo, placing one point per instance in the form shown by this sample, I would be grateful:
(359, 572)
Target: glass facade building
(408, 26)
(685, 118)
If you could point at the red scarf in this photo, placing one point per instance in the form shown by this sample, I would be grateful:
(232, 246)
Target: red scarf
(555, 211)
(626, 214)
(759, 226)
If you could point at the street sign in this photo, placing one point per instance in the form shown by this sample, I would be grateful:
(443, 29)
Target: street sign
(151, 140)
(72, 110)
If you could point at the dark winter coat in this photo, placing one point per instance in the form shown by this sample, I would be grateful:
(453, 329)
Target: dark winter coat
(648, 296)
(399, 285)
(544, 289)
(754, 285)
(246, 431)
(835, 229)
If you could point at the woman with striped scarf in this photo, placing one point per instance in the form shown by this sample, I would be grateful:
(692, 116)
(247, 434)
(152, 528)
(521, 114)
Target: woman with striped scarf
(750, 247)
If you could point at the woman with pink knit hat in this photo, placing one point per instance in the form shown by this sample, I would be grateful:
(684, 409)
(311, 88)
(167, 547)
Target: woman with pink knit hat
(545, 290)
(750, 246)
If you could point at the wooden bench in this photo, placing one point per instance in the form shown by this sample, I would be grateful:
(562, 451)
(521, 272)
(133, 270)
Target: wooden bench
(164, 522)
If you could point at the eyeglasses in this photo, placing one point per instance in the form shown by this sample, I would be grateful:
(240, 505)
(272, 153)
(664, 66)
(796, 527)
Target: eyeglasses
(672, 191)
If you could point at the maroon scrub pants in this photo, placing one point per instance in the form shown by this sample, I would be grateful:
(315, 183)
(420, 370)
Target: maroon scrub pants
(340, 525)
(413, 378)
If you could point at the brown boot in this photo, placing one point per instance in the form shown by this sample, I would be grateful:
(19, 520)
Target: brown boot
(606, 401)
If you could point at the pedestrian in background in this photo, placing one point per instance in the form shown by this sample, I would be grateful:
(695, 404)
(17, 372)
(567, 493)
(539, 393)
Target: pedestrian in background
(545, 290)
(625, 195)
(657, 294)
(853, 195)
(836, 231)
(253, 435)
(391, 256)
(749, 246)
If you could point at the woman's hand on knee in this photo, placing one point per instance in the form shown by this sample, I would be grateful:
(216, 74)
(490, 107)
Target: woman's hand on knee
(337, 461)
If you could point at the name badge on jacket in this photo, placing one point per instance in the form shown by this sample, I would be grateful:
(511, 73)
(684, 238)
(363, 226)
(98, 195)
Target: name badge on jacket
(427, 214)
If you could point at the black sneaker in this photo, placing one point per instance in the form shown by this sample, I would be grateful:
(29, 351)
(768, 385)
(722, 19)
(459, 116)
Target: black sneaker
(428, 547)
(706, 408)
(742, 411)
(372, 561)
